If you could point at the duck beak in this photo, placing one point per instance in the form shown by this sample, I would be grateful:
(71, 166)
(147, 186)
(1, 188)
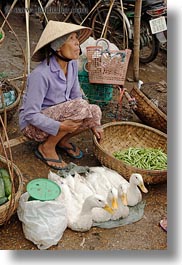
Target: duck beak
(124, 199)
(108, 209)
(114, 203)
(143, 188)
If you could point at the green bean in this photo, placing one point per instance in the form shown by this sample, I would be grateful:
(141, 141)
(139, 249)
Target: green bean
(145, 158)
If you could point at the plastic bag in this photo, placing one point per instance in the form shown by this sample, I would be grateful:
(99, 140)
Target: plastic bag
(9, 98)
(43, 222)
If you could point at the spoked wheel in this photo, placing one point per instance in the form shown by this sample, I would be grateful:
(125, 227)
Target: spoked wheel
(149, 45)
(59, 10)
(114, 28)
(79, 11)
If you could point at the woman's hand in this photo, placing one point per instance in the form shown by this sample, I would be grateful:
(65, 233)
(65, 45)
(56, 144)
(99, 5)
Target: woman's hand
(98, 132)
(70, 126)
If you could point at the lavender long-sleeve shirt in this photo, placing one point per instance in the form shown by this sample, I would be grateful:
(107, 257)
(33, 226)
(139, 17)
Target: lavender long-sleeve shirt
(48, 86)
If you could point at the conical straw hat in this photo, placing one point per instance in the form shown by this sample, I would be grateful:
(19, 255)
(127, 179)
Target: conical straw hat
(55, 30)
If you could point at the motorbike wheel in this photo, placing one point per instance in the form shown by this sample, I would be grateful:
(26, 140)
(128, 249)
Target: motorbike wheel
(149, 44)
(58, 11)
(114, 29)
(80, 10)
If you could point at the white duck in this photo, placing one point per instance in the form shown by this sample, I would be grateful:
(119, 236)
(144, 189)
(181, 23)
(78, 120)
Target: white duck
(79, 214)
(99, 214)
(134, 195)
(123, 209)
(98, 181)
(79, 187)
(96, 177)
(82, 185)
(111, 176)
(80, 217)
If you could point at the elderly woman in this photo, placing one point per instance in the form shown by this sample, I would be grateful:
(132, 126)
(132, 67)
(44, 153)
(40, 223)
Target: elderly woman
(53, 110)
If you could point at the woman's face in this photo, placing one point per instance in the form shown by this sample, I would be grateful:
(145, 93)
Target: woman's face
(71, 48)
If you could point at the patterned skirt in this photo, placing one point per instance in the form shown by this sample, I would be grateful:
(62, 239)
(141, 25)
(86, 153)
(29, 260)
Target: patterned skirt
(77, 109)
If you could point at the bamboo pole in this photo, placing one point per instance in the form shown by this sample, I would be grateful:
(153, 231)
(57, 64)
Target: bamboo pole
(94, 8)
(27, 11)
(43, 11)
(104, 30)
(137, 19)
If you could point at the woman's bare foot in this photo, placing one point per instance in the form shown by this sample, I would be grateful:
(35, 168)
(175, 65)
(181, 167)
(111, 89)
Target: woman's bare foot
(70, 148)
(50, 153)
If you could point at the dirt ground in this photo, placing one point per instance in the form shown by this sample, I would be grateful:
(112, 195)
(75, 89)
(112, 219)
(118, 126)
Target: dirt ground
(146, 234)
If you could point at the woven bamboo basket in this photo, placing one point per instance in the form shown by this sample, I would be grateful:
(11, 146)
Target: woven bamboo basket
(107, 66)
(148, 112)
(9, 208)
(122, 135)
(3, 36)
(11, 109)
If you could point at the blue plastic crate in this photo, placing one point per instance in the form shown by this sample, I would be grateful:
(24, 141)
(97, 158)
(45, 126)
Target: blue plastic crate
(100, 94)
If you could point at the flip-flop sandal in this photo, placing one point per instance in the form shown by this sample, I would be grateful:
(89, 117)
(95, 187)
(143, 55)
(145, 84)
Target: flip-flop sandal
(163, 224)
(46, 160)
(66, 149)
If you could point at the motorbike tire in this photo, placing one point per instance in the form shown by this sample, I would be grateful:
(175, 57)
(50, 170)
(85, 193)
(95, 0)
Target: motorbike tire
(58, 11)
(149, 44)
(115, 32)
(80, 10)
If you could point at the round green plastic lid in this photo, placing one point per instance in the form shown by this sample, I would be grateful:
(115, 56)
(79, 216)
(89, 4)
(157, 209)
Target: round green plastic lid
(43, 189)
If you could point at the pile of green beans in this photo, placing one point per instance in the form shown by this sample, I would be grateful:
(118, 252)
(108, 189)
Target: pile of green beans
(144, 158)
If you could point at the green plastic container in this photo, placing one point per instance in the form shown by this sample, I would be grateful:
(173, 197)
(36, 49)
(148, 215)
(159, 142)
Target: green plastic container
(43, 189)
(99, 94)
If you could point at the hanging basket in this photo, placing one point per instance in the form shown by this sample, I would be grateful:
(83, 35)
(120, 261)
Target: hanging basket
(8, 208)
(107, 66)
(7, 86)
(123, 135)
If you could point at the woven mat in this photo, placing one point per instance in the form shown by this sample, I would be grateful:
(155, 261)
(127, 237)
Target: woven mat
(136, 213)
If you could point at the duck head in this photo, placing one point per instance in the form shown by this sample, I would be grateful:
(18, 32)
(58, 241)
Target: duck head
(122, 194)
(98, 201)
(137, 179)
(113, 198)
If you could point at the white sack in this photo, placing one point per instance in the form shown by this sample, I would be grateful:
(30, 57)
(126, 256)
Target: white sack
(43, 222)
